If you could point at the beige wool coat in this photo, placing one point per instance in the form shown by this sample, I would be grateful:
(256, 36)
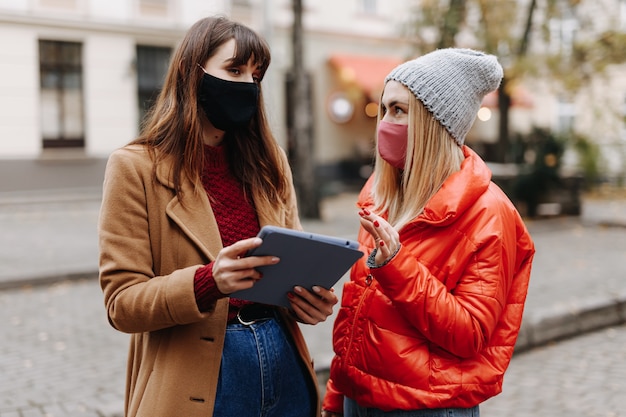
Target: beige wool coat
(150, 248)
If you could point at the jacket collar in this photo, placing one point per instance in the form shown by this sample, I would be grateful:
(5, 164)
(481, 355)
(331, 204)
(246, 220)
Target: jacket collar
(459, 191)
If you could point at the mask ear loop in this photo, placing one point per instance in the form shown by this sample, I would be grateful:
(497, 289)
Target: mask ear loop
(202, 68)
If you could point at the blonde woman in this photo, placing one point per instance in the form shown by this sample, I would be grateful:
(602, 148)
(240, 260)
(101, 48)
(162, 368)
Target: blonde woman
(428, 321)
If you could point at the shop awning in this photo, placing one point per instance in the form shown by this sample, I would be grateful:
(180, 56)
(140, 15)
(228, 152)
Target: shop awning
(366, 72)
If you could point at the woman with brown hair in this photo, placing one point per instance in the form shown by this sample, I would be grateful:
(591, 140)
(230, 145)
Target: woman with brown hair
(181, 206)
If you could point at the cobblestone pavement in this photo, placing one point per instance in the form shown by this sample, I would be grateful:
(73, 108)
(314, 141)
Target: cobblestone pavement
(581, 377)
(59, 357)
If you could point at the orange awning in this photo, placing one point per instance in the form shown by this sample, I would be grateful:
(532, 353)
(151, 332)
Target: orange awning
(366, 72)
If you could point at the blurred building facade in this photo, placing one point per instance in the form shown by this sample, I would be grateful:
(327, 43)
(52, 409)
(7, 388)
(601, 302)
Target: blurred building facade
(76, 76)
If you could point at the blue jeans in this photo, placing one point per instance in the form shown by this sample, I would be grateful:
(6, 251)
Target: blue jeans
(262, 374)
(352, 409)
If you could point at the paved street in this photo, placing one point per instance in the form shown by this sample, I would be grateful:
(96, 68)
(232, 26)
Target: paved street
(59, 357)
(581, 377)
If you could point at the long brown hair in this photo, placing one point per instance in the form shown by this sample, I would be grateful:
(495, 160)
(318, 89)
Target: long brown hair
(431, 157)
(173, 127)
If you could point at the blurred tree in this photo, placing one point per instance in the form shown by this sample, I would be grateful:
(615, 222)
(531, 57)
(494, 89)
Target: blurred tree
(453, 18)
(495, 27)
(301, 122)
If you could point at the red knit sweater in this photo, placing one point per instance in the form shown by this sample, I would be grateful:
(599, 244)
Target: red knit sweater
(236, 219)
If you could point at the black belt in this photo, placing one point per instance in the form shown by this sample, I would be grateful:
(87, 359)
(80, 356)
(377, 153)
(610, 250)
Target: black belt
(252, 313)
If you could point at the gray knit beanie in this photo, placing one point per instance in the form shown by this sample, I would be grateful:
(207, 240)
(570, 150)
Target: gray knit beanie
(451, 83)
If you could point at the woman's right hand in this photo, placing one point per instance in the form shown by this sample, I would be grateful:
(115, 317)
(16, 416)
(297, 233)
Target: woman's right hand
(233, 271)
(386, 237)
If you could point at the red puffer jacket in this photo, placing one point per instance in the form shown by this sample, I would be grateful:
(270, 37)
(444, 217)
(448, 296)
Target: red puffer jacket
(436, 326)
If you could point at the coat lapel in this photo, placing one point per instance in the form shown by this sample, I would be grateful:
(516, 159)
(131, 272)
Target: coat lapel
(194, 215)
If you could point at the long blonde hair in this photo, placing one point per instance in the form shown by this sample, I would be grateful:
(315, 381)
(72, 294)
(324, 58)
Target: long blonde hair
(432, 156)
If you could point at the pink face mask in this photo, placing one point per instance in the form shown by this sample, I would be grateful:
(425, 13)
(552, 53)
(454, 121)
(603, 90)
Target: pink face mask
(392, 140)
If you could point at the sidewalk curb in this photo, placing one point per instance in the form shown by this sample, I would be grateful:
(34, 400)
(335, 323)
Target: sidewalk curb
(538, 329)
(543, 329)
(41, 280)
(83, 194)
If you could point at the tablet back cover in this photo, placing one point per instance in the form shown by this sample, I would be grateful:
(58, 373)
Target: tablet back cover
(306, 259)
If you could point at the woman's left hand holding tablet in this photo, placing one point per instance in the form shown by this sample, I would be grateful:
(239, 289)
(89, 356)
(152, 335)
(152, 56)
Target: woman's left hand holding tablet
(312, 307)
(233, 271)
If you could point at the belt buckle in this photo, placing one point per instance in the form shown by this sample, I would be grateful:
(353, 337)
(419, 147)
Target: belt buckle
(242, 321)
(254, 313)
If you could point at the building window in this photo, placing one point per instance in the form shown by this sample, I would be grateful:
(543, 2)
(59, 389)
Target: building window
(562, 35)
(563, 30)
(61, 77)
(369, 6)
(154, 8)
(567, 115)
(59, 4)
(624, 120)
(152, 63)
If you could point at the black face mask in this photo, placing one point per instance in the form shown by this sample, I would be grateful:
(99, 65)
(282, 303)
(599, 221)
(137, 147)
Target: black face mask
(228, 104)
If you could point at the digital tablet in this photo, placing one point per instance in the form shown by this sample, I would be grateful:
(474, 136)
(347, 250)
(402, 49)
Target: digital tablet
(306, 259)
